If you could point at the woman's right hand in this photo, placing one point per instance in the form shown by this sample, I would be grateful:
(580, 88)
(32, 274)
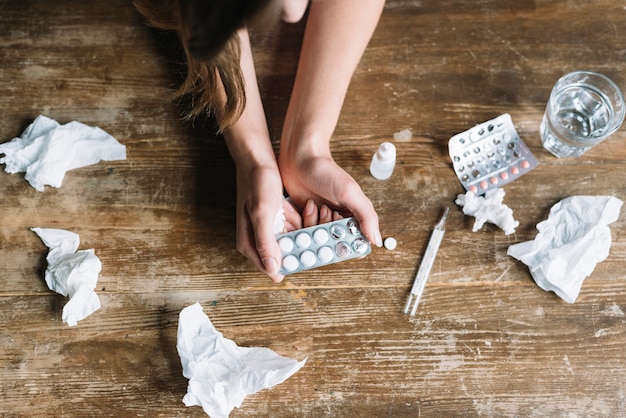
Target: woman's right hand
(318, 178)
(259, 201)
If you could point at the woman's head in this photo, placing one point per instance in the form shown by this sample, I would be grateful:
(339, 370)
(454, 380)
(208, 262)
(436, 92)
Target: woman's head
(208, 32)
(208, 25)
(292, 10)
(211, 23)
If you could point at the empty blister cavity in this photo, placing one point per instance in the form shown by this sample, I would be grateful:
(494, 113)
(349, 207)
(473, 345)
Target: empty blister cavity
(342, 249)
(359, 245)
(322, 245)
(353, 227)
(494, 154)
(338, 231)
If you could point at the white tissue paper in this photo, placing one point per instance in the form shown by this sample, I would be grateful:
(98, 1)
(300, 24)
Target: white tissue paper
(71, 273)
(279, 222)
(569, 244)
(47, 150)
(221, 374)
(488, 208)
(403, 135)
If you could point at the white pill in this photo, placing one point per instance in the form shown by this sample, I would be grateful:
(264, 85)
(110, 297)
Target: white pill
(290, 263)
(285, 244)
(307, 258)
(390, 243)
(320, 236)
(303, 240)
(325, 254)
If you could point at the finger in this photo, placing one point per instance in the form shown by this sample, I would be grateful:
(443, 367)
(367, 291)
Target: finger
(266, 247)
(269, 265)
(337, 216)
(310, 214)
(293, 220)
(363, 210)
(290, 227)
(246, 243)
(269, 255)
(326, 214)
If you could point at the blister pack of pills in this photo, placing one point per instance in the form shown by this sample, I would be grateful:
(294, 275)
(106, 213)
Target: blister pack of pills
(490, 155)
(321, 245)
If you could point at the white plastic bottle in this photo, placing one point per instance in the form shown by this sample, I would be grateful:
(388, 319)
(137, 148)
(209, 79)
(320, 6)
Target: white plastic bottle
(383, 161)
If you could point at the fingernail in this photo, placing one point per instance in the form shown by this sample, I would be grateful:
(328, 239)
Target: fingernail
(379, 239)
(324, 211)
(309, 208)
(270, 266)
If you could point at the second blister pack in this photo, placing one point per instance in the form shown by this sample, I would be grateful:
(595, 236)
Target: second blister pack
(490, 155)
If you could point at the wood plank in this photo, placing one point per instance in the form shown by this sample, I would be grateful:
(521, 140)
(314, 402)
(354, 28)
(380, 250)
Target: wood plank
(486, 340)
(489, 340)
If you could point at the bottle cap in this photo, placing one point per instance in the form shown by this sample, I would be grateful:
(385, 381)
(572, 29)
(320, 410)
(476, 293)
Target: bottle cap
(386, 151)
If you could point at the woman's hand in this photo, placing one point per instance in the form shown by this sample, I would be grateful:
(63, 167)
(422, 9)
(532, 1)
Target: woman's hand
(259, 186)
(336, 34)
(259, 199)
(319, 179)
(312, 214)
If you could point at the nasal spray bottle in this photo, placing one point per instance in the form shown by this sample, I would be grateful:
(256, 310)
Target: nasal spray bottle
(383, 161)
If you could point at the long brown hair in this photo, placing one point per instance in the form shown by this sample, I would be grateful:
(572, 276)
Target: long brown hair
(207, 30)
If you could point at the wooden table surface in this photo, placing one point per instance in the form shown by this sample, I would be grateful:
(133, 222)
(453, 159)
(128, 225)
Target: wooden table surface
(486, 340)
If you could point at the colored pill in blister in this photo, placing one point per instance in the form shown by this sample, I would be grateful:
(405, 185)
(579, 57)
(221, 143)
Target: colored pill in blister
(321, 245)
(490, 155)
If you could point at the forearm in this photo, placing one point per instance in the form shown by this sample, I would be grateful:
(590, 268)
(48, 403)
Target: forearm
(259, 186)
(248, 138)
(336, 36)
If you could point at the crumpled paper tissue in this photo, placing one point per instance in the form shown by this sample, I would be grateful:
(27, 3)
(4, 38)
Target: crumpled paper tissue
(47, 150)
(279, 222)
(71, 273)
(488, 208)
(570, 243)
(221, 374)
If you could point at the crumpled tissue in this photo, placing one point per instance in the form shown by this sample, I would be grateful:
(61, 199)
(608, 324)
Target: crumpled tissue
(71, 273)
(279, 222)
(570, 243)
(488, 208)
(221, 374)
(47, 150)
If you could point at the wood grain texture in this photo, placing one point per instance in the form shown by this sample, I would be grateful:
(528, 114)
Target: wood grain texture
(486, 341)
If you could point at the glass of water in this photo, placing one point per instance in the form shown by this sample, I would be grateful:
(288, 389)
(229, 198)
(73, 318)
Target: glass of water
(584, 109)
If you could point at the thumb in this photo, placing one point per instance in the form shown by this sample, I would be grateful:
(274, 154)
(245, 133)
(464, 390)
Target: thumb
(268, 250)
(363, 210)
